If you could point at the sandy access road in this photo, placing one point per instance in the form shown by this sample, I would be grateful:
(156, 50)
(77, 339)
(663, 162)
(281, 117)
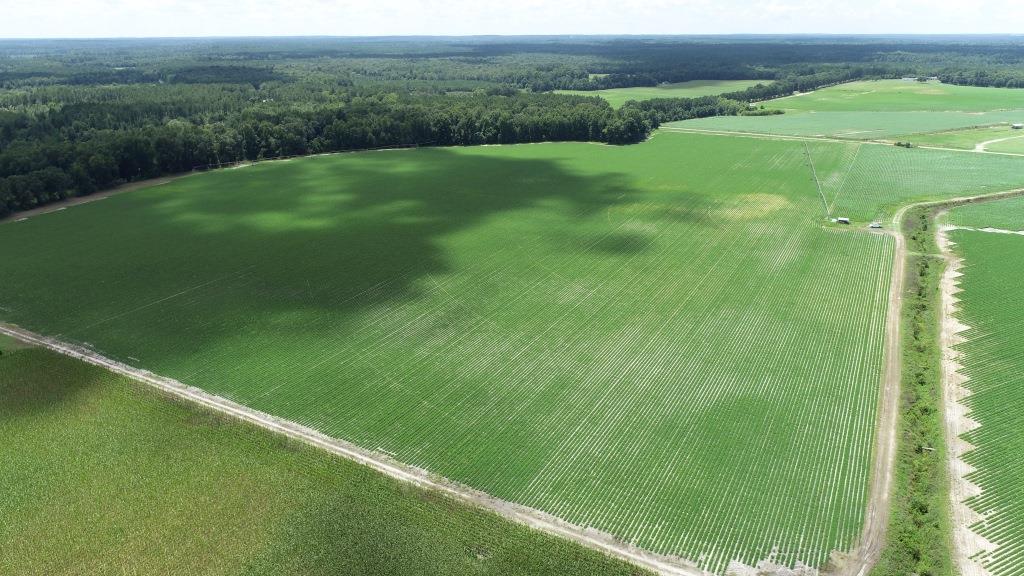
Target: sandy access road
(876, 519)
(981, 146)
(384, 464)
(968, 546)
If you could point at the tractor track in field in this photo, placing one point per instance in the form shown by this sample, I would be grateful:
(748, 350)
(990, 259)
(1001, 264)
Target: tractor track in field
(531, 517)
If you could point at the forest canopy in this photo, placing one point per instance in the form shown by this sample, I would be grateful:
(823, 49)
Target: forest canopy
(78, 116)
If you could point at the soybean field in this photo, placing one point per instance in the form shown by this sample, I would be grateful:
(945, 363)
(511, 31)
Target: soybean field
(606, 334)
(992, 306)
(879, 110)
(904, 96)
(664, 342)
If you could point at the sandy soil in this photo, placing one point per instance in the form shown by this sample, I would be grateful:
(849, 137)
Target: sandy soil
(382, 463)
(966, 543)
(855, 563)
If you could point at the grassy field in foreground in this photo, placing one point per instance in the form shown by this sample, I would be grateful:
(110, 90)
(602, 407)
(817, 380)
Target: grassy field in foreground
(582, 329)
(102, 476)
(692, 89)
(903, 96)
(1006, 214)
(992, 304)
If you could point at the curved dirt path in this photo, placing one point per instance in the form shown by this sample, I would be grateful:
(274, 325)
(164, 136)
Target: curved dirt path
(876, 516)
(980, 146)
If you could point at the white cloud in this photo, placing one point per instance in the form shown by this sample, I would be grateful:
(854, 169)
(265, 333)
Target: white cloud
(118, 18)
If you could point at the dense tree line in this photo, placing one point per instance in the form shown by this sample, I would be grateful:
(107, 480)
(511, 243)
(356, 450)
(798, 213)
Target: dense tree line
(132, 143)
(81, 116)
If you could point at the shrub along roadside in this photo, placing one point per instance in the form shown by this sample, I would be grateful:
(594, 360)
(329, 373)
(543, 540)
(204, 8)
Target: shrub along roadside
(919, 536)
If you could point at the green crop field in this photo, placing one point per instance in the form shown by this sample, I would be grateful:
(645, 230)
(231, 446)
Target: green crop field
(1005, 214)
(1002, 138)
(882, 109)
(867, 125)
(103, 476)
(903, 96)
(692, 89)
(659, 341)
(992, 304)
(1012, 145)
(875, 179)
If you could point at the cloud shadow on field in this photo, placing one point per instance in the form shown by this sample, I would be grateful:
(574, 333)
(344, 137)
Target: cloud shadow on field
(313, 241)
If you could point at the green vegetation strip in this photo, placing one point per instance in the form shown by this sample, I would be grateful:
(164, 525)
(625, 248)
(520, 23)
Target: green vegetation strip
(919, 534)
(106, 476)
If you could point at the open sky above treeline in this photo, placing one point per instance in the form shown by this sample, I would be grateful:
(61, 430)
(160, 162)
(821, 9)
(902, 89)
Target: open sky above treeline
(146, 18)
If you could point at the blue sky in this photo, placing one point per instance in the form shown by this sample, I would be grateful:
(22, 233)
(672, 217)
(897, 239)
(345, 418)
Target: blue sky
(117, 18)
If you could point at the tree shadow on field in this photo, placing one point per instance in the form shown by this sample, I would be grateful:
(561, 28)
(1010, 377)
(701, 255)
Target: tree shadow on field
(312, 241)
(34, 380)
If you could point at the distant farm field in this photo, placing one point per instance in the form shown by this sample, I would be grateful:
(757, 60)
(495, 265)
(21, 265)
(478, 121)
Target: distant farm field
(104, 476)
(659, 341)
(692, 89)
(881, 109)
(992, 305)
(1005, 214)
(863, 125)
(998, 138)
(903, 96)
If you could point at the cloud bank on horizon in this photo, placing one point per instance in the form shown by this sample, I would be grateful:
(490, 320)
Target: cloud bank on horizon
(127, 18)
